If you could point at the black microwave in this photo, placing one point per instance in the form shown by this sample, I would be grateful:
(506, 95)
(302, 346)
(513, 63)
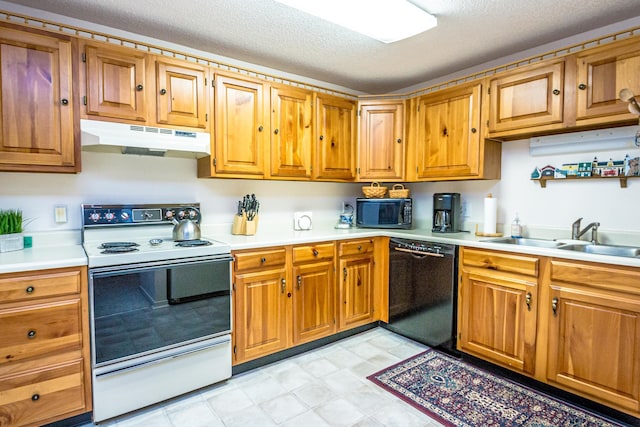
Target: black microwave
(384, 213)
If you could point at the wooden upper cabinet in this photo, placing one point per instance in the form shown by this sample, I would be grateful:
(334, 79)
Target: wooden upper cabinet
(116, 82)
(291, 132)
(181, 93)
(240, 127)
(601, 74)
(448, 141)
(381, 141)
(527, 98)
(38, 130)
(335, 138)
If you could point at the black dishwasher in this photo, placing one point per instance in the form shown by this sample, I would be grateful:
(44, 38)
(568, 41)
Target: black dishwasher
(423, 291)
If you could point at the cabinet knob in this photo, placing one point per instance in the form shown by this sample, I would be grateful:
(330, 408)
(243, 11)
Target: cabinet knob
(582, 86)
(35, 397)
(359, 247)
(554, 306)
(556, 92)
(139, 88)
(30, 289)
(31, 334)
(263, 260)
(64, 101)
(474, 130)
(276, 131)
(163, 91)
(260, 128)
(315, 252)
(321, 137)
(399, 141)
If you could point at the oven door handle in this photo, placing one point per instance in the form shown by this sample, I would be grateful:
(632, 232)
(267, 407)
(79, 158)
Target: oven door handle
(159, 360)
(412, 252)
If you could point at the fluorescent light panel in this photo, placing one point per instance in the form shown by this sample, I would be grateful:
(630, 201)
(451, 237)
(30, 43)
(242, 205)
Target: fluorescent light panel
(587, 141)
(384, 20)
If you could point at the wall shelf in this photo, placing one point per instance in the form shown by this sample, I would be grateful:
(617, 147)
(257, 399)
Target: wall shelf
(543, 179)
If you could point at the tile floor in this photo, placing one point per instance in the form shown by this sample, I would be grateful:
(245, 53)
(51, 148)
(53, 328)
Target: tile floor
(323, 387)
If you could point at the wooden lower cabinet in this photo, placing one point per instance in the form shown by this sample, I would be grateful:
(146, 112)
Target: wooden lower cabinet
(593, 323)
(497, 316)
(45, 367)
(291, 295)
(356, 283)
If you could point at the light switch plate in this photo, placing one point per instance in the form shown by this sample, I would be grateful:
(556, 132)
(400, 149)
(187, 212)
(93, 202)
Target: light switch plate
(302, 221)
(60, 214)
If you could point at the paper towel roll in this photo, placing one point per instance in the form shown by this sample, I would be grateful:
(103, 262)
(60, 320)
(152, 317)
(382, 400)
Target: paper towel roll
(490, 214)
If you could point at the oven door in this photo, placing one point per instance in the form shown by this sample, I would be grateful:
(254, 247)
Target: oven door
(141, 309)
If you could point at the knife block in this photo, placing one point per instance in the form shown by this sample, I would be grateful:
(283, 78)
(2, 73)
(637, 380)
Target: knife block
(241, 225)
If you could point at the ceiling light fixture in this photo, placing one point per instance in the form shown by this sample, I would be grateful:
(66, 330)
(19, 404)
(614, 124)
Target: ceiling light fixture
(384, 20)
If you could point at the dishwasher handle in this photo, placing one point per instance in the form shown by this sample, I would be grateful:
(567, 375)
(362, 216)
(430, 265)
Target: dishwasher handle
(420, 253)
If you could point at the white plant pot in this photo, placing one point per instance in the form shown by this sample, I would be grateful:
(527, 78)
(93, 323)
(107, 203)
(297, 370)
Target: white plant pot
(11, 242)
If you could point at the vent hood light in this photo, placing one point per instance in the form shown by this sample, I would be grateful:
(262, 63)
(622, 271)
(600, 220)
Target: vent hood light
(143, 140)
(385, 20)
(583, 142)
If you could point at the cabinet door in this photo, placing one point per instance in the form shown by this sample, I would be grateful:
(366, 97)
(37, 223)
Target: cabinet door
(527, 99)
(36, 116)
(602, 73)
(181, 94)
(116, 83)
(313, 301)
(335, 138)
(240, 132)
(292, 132)
(260, 326)
(594, 343)
(356, 291)
(497, 319)
(381, 141)
(448, 136)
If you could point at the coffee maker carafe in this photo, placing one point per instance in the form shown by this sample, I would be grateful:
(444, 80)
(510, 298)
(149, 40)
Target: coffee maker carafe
(446, 213)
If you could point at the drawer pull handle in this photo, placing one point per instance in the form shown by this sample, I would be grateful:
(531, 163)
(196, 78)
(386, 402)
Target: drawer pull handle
(31, 334)
(527, 299)
(554, 306)
(35, 397)
(263, 260)
(30, 289)
(315, 252)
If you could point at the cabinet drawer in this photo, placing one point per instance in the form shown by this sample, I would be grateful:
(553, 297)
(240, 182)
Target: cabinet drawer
(40, 329)
(26, 287)
(261, 259)
(511, 263)
(313, 252)
(356, 247)
(36, 396)
(603, 276)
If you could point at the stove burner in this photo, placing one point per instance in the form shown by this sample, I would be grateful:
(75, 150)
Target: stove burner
(119, 249)
(190, 243)
(110, 245)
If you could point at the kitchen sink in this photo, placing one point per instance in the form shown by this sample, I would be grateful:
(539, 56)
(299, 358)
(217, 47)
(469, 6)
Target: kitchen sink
(613, 250)
(523, 241)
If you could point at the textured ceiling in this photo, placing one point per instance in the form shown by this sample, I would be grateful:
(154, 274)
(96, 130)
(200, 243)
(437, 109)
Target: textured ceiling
(469, 32)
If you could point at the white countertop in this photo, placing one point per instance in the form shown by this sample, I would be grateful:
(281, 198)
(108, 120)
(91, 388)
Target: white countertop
(55, 250)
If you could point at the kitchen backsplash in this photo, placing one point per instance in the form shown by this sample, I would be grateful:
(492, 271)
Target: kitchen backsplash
(112, 178)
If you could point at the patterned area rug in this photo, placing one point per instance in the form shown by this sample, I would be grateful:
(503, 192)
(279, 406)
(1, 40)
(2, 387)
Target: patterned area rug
(458, 394)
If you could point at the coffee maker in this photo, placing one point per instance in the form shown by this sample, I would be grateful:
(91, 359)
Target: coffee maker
(447, 217)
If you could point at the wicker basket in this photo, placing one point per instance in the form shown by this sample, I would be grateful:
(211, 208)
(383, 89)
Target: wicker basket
(374, 191)
(399, 192)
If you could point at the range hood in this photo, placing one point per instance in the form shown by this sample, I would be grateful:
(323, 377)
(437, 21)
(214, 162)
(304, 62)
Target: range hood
(143, 140)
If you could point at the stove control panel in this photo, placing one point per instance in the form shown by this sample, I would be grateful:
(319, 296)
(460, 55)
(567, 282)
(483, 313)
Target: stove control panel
(118, 215)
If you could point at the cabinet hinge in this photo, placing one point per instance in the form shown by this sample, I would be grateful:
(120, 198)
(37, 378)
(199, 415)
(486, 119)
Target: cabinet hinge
(488, 91)
(358, 113)
(206, 117)
(358, 171)
(234, 349)
(233, 286)
(84, 100)
(418, 108)
(416, 169)
(215, 162)
(212, 82)
(84, 57)
(205, 82)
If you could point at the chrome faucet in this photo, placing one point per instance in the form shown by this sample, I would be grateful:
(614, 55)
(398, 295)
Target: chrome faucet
(576, 233)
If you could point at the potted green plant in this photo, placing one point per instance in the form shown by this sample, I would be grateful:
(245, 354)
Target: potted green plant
(11, 238)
